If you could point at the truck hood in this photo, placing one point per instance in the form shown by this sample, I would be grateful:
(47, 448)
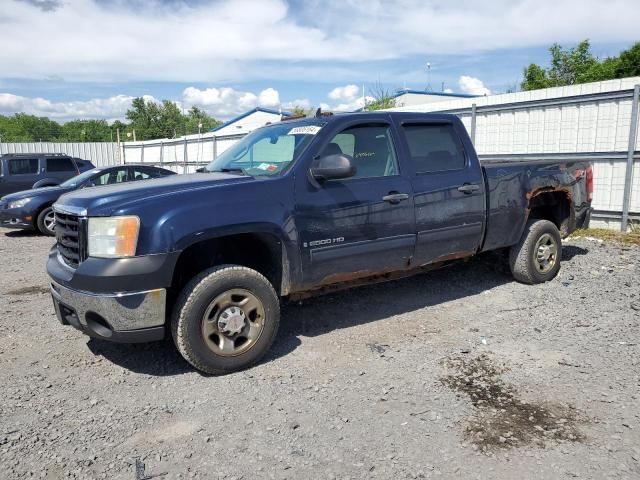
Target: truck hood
(103, 201)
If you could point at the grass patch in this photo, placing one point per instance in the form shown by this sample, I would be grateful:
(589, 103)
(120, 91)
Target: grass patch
(631, 238)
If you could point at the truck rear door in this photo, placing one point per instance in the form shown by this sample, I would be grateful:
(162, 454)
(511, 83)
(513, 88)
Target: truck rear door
(448, 188)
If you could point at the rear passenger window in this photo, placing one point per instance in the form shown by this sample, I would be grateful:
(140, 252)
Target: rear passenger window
(61, 164)
(434, 148)
(23, 166)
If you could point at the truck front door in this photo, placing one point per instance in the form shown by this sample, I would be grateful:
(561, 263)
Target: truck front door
(359, 226)
(448, 188)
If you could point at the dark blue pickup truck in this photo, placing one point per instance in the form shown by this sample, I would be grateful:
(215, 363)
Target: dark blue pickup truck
(295, 209)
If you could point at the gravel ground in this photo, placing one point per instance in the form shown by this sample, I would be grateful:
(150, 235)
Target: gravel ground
(460, 373)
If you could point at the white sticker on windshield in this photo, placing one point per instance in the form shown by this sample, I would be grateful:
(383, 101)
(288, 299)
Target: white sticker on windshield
(308, 130)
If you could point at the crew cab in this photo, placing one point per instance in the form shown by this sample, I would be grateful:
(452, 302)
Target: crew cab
(294, 209)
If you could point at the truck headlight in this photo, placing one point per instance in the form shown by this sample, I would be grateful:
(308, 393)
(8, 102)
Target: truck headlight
(113, 237)
(19, 203)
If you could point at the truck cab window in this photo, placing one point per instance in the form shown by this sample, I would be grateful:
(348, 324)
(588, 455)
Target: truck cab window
(23, 166)
(371, 148)
(434, 148)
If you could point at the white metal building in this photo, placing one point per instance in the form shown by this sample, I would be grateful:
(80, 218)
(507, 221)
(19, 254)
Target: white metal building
(408, 97)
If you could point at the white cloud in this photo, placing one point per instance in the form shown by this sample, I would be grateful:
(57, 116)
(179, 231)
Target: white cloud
(473, 85)
(348, 98)
(110, 108)
(269, 98)
(303, 103)
(227, 102)
(344, 94)
(222, 103)
(232, 40)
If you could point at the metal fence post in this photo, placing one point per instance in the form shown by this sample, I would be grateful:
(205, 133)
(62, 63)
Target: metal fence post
(472, 133)
(142, 153)
(161, 152)
(215, 147)
(185, 155)
(628, 178)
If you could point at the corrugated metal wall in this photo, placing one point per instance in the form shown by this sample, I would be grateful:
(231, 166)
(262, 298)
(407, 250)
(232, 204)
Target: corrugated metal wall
(99, 153)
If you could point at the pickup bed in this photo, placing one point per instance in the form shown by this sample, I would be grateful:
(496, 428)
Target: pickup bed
(295, 209)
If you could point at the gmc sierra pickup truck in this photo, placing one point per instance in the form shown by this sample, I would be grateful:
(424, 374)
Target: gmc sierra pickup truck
(294, 209)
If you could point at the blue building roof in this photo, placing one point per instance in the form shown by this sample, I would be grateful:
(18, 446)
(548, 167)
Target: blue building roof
(246, 114)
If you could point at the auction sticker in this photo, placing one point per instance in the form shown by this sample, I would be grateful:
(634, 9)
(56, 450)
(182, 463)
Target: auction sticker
(307, 130)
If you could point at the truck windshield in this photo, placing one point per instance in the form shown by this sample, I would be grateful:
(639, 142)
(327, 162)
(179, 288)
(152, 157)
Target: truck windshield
(268, 150)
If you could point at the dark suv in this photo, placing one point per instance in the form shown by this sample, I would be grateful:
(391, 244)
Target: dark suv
(23, 171)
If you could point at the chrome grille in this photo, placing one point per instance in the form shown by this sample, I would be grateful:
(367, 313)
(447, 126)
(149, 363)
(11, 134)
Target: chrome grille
(69, 236)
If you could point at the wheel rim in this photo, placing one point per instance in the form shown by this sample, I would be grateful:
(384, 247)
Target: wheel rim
(50, 221)
(546, 253)
(233, 322)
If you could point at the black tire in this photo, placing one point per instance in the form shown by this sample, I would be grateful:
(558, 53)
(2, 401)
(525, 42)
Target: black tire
(195, 299)
(523, 257)
(43, 221)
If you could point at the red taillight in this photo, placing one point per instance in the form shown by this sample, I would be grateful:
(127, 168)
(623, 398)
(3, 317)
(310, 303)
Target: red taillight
(590, 183)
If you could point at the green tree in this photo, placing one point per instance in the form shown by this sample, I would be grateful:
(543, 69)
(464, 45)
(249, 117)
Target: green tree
(86, 131)
(171, 121)
(628, 64)
(151, 120)
(22, 127)
(199, 121)
(382, 99)
(578, 65)
(535, 77)
(298, 111)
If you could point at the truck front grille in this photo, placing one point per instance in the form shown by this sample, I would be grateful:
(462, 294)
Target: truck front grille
(69, 235)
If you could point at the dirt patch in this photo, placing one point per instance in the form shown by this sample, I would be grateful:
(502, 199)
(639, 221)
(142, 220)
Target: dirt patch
(501, 419)
(29, 290)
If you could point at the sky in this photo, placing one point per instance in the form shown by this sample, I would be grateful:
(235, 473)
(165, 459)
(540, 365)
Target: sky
(68, 59)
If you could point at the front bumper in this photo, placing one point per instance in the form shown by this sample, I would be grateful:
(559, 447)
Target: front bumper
(124, 317)
(15, 218)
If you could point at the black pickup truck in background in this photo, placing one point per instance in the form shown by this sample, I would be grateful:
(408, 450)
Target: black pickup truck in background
(295, 209)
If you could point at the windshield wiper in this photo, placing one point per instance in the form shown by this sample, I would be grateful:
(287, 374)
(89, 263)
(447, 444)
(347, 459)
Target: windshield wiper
(231, 170)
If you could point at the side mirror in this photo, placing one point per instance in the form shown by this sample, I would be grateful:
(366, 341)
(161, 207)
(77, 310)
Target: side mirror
(333, 167)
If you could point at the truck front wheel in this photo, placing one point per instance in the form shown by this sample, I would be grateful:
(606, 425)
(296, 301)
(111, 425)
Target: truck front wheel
(225, 319)
(536, 258)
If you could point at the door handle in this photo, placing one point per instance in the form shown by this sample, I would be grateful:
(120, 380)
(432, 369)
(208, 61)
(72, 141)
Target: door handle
(395, 197)
(468, 188)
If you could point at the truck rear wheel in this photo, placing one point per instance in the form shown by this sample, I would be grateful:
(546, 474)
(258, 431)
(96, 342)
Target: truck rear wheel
(536, 258)
(225, 319)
